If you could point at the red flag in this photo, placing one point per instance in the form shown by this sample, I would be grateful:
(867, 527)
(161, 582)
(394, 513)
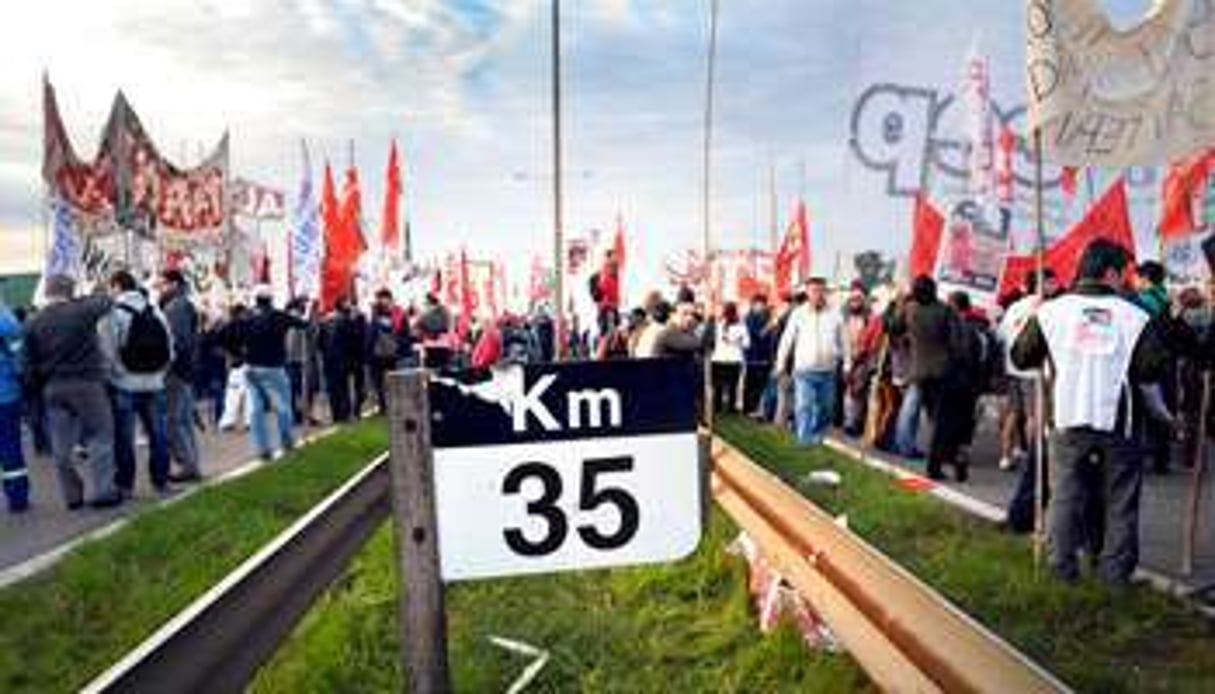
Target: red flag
(390, 225)
(1108, 219)
(468, 300)
(794, 254)
(1005, 185)
(344, 242)
(619, 250)
(332, 283)
(927, 226)
(1185, 180)
(1067, 180)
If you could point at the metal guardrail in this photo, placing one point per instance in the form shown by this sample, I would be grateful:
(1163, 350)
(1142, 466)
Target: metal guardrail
(218, 643)
(905, 635)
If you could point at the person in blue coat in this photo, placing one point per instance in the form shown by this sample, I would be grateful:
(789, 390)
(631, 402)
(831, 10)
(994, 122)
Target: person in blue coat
(12, 461)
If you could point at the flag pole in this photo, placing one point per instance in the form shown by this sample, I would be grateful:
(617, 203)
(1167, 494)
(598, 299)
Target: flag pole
(707, 202)
(1039, 424)
(558, 231)
(773, 232)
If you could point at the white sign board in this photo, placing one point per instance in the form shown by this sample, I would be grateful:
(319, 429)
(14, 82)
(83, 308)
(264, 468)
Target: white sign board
(566, 466)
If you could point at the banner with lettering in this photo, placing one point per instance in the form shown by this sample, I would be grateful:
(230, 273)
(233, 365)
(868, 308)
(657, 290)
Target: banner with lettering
(1115, 97)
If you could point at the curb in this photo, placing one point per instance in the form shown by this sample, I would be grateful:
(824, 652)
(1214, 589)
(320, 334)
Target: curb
(41, 562)
(951, 496)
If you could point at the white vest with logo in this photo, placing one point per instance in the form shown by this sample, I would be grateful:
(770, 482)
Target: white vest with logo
(1091, 341)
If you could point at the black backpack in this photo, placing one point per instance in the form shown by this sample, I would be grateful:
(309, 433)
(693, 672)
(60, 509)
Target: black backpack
(146, 349)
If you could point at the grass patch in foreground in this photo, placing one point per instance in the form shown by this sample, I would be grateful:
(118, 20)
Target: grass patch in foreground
(682, 627)
(60, 629)
(1094, 639)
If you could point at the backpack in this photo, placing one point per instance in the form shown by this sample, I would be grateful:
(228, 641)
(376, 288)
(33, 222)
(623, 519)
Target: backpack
(146, 349)
(385, 346)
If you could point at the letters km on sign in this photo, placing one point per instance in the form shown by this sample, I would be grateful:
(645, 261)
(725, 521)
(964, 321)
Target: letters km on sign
(565, 466)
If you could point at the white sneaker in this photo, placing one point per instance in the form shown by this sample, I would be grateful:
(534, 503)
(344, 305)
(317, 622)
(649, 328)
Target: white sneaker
(1006, 463)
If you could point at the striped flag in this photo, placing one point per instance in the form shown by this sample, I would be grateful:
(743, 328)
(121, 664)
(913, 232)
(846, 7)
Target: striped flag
(306, 236)
(63, 257)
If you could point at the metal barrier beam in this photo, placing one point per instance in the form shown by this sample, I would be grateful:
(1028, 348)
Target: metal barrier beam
(905, 635)
(218, 643)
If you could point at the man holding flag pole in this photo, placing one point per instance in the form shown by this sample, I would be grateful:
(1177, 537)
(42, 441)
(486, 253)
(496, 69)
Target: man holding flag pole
(1085, 82)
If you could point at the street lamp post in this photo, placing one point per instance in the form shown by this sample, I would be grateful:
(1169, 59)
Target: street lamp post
(558, 232)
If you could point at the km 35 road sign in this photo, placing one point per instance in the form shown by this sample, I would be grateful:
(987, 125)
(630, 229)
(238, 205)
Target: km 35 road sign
(565, 466)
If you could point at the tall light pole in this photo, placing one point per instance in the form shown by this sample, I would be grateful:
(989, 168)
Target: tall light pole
(707, 194)
(708, 143)
(558, 232)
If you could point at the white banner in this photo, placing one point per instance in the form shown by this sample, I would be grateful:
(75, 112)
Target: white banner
(1109, 97)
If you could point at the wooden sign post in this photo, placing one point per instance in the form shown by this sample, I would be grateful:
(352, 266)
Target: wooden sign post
(423, 616)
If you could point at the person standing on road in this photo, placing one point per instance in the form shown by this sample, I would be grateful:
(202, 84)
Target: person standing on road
(387, 344)
(1099, 345)
(67, 365)
(13, 474)
(814, 339)
(264, 338)
(138, 345)
(758, 354)
(730, 344)
(182, 317)
(930, 326)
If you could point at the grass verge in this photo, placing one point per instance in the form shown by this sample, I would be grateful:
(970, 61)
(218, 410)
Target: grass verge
(681, 627)
(1094, 639)
(65, 626)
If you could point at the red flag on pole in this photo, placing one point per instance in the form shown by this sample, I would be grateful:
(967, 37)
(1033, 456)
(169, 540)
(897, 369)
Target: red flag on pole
(1005, 185)
(390, 225)
(1184, 182)
(927, 226)
(344, 242)
(1108, 219)
(468, 300)
(794, 254)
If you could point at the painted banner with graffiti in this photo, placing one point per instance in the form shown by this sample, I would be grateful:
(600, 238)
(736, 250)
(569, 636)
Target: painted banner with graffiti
(129, 185)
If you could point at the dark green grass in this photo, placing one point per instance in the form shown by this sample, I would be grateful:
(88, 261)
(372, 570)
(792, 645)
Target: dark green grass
(60, 629)
(682, 627)
(1094, 639)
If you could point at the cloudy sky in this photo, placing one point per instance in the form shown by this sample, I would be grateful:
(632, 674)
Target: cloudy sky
(464, 87)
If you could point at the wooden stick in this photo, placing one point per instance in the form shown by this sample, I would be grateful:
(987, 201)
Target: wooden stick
(1039, 424)
(1189, 538)
(423, 616)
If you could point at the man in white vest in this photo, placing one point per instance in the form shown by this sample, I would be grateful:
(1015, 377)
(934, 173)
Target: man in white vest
(1099, 346)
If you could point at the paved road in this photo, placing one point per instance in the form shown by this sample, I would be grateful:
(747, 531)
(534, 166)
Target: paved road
(48, 525)
(1161, 515)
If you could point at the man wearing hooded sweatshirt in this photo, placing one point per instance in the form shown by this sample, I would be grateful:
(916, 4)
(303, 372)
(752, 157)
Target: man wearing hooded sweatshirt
(138, 345)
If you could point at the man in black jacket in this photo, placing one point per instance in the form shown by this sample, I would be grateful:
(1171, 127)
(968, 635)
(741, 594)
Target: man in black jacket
(263, 338)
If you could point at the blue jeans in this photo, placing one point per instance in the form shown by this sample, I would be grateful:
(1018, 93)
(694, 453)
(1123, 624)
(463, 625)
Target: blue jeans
(270, 388)
(151, 410)
(12, 459)
(814, 395)
(183, 444)
(908, 426)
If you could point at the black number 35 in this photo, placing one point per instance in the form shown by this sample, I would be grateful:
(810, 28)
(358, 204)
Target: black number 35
(590, 497)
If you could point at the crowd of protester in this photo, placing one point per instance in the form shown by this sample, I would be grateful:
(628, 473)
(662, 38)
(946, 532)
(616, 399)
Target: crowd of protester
(1123, 363)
